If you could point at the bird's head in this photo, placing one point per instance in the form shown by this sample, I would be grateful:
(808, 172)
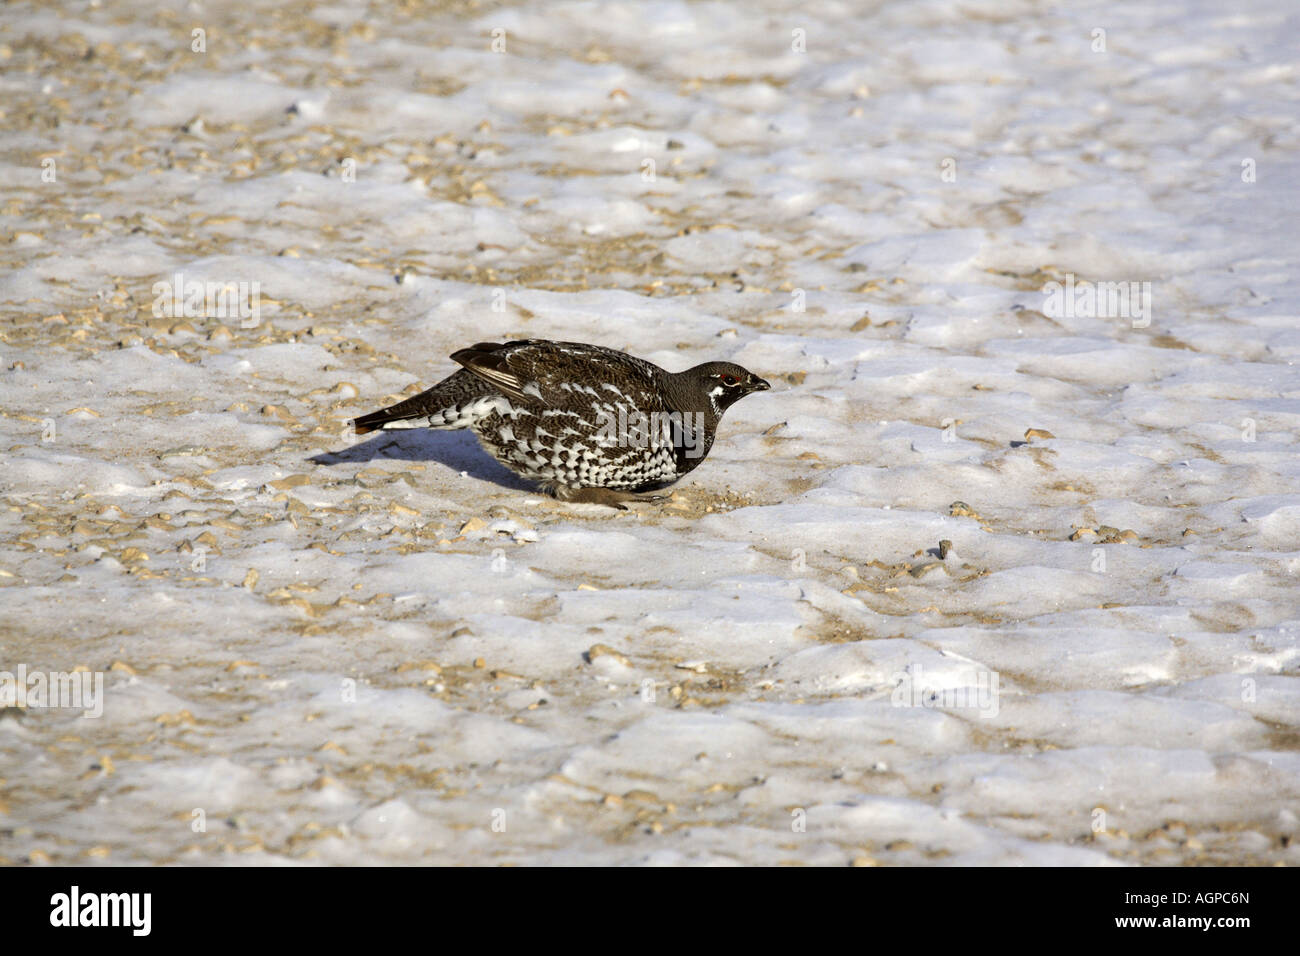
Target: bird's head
(720, 384)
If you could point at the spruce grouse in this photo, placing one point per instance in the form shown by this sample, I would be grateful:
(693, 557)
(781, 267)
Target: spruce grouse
(590, 424)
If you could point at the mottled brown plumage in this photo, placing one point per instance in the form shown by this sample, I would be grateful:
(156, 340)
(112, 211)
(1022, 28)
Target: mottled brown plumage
(587, 422)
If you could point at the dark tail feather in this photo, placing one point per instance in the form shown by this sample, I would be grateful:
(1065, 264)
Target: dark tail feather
(369, 423)
(417, 407)
(433, 403)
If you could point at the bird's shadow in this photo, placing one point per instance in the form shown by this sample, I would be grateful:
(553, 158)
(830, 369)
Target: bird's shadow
(458, 450)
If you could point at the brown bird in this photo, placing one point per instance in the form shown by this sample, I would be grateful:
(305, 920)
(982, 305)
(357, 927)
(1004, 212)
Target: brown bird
(591, 424)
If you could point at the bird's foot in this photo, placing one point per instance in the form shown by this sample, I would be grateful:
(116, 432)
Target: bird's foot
(603, 496)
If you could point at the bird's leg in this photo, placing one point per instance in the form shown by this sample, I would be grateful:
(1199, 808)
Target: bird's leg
(601, 496)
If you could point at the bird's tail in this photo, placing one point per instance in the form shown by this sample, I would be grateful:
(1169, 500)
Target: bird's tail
(402, 415)
(453, 403)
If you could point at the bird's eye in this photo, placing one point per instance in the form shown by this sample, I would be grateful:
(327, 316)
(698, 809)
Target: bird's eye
(729, 380)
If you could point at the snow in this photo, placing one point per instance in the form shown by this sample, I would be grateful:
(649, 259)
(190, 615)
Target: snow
(324, 649)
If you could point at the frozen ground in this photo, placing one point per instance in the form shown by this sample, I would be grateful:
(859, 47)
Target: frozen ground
(321, 649)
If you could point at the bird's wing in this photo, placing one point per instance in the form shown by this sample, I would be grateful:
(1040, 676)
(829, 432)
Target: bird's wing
(559, 374)
(490, 361)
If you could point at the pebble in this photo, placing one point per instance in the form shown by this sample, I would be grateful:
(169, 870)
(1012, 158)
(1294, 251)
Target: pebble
(429, 666)
(604, 650)
(278, 411)
(182, 451)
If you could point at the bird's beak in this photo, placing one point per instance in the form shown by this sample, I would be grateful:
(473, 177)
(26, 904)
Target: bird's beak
(758, 385)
